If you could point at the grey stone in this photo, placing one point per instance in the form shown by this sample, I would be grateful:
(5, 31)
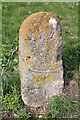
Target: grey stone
(40, 62)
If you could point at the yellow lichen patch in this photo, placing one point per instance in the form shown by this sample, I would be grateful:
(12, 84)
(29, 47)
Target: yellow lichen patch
(29, 61)
(41, 19)
(23, 31)
(52, 50)
(35, 22)
(31, 19)
(23, 36)
(57, 33)
(41, 14)
(30, 23)
(56, 42)
(41, 28)
(45, 26)
(25, 28)
(55, 65)
(43, 77)
(50, 76)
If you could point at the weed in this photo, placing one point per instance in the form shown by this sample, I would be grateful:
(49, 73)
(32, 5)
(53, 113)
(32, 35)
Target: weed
(23, 113)
(11, 101)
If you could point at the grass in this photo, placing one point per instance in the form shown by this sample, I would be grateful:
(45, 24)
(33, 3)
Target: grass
(61, 107)
(13, 15)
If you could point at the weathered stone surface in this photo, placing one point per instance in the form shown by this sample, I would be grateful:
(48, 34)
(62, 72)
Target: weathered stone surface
(40, 64)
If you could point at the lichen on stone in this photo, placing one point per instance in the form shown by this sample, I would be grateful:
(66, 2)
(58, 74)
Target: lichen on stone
(40, 63)
(35, 22)
(42, 78)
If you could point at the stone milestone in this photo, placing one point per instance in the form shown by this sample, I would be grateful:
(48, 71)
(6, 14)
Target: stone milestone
(40, 59)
